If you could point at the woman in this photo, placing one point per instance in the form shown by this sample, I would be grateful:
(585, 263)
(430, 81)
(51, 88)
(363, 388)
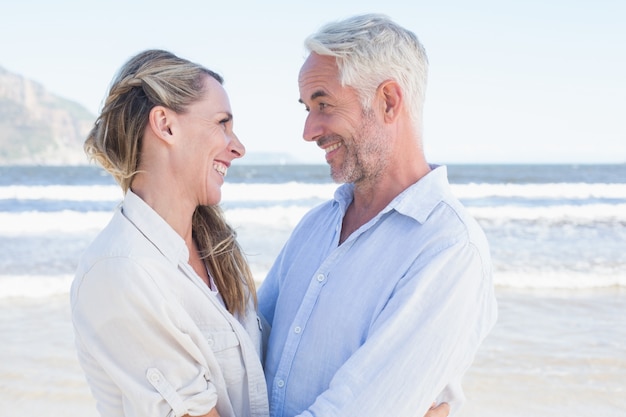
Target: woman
(163, 301)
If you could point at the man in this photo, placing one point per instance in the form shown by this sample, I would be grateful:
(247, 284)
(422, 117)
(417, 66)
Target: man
(381, 297)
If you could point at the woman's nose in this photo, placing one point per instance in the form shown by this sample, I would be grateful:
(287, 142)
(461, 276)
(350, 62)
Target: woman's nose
(236, 147)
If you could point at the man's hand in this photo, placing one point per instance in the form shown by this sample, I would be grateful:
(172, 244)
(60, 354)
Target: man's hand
(214, 413)
(441, 410)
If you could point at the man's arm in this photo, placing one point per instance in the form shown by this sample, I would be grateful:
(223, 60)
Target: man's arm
(421, 343)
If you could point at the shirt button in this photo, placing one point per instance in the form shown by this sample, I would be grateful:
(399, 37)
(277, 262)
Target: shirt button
(320, 278)
(280, 383)
(210, 342)
(154, 378)
(297, 329)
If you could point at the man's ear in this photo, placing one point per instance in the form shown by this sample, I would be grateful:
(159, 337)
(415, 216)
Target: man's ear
(392, 99)
(160, 122)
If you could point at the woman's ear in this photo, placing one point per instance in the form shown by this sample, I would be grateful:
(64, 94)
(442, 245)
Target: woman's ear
(160, 122)
(391, 94)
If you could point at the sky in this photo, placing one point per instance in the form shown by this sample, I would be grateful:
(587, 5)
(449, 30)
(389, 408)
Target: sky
(535, 81)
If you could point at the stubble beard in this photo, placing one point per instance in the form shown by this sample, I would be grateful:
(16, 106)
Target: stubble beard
(367, 154)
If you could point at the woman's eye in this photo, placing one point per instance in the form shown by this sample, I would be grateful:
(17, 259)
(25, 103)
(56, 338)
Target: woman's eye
(224, 122)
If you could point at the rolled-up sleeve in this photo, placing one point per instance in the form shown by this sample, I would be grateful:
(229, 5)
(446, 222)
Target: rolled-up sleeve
(136, 353)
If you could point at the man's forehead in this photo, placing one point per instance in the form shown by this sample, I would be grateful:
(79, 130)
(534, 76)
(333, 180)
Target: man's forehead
(316, 63)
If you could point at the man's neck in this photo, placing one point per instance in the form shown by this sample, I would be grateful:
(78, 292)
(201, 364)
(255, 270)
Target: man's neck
(371, 197)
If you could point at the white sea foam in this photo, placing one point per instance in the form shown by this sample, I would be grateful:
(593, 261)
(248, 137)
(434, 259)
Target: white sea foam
(68, 221)
(276, 192)
(34, 286)
(276, 216)
(578, 214)
(558, 280)
(230, 192)
(62, 192)
(42, 286)
(265, 214)
(550, 191)
(41, 223)
(298, 191)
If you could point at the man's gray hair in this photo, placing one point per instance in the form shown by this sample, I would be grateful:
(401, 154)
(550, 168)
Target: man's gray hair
(370, 49)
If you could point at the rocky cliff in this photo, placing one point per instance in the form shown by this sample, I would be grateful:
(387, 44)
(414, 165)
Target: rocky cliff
(37, 127)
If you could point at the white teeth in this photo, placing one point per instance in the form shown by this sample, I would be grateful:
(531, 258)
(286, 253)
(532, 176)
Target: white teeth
(333, 147)
(221, 169)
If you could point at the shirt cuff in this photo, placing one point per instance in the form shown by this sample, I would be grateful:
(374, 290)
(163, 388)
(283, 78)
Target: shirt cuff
(198, 404)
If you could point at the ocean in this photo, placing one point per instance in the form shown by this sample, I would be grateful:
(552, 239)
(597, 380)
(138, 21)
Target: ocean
(558, 242)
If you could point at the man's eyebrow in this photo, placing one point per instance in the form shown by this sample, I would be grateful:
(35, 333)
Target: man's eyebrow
(315, 95)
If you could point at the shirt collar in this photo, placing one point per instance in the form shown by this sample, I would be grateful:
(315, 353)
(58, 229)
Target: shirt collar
(344, 195)
(154, 228)
(420, 199)
(417, 201)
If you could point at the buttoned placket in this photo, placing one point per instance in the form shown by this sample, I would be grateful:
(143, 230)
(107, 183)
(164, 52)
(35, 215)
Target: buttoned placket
(293, 339)
(255, 382)
(316, 285)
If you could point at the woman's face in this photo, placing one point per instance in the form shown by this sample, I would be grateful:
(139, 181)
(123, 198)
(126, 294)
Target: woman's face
(207, 144)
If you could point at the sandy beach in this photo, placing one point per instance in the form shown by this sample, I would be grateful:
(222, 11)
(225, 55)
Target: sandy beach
(558, 353)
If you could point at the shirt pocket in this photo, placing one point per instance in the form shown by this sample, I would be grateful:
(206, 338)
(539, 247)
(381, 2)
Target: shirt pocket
(227, 351)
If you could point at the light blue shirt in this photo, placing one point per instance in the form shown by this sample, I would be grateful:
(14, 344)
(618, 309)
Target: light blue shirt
(385, 323)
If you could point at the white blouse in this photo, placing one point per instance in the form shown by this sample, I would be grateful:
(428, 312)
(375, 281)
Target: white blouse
(152, 338)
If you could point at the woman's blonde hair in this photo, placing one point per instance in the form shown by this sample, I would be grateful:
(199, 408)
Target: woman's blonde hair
(160, 78)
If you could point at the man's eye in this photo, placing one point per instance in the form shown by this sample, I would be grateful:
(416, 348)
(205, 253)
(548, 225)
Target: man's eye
(322, 106)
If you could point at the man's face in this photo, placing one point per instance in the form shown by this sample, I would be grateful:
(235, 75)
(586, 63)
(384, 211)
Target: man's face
(353, 138)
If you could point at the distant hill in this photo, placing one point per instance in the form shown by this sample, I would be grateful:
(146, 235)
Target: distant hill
(38, 127)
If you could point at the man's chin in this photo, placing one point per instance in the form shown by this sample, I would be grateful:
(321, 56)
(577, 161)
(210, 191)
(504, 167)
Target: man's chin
(338, 176)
